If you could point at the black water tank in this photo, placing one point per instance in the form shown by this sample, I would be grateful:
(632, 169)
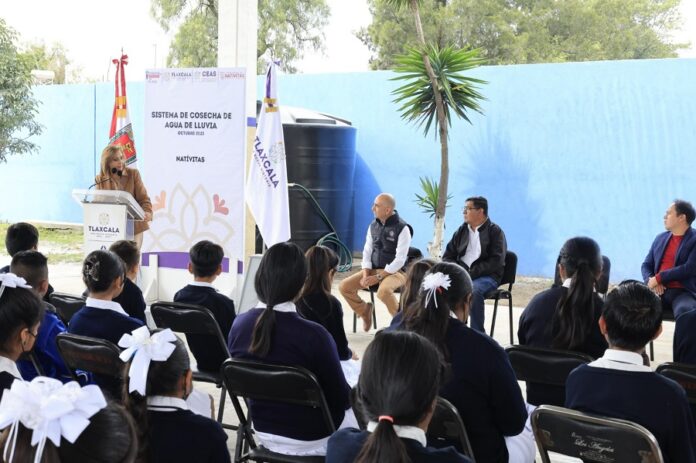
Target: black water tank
(320, 155)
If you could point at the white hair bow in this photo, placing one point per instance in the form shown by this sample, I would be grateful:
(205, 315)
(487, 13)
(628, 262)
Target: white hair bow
(10, 280)
(50, 409)
(433, 282)
(144, 349)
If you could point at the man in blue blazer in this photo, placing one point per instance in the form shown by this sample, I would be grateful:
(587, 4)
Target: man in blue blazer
(670, 266)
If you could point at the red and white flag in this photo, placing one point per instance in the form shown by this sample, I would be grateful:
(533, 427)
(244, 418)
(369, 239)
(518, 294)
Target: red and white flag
(121, 132)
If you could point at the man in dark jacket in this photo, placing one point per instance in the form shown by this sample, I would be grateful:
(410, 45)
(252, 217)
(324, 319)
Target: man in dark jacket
(479, 246)
(669, 268)
(384, 256)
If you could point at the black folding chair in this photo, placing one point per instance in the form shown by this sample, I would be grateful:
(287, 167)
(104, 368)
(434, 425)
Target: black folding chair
(667, 316)
(66, 305)
(254, 380)
(197, 320)
(31, 357)
(93, 355)
(544, 367)
(447, 428)
(509, 274)
(592, 438)
(684, 374)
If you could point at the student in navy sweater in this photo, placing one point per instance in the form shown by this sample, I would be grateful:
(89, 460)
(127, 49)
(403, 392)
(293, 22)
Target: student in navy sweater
(22, 236)
(33, 267)
(206, 266)
(482, 385)
(131, 298)
(155, 395)
(273, 332)
(566, 317)
(21, 312)
(618, 385)
(397, 391)
(103, 272)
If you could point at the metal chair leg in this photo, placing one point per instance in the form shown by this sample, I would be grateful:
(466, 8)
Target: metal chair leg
(512, 341)
(495, 314)
(374, 309)
(355, 321)
(652, 351)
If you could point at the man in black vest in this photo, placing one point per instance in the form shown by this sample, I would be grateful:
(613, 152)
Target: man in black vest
(384, 255)
(479, 246)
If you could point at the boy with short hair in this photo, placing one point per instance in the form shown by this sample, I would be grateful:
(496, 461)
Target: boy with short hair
(618, 385)
(20, 236)
(205, 265)
(131, 298)
(33, 267)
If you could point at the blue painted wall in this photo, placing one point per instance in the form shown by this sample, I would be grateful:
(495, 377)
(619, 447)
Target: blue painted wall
(597, 149)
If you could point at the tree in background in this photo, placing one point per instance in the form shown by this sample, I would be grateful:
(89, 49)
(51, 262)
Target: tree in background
(53, 58)
(287, 28)
(433, 87)
(529, 31)
(17, 106)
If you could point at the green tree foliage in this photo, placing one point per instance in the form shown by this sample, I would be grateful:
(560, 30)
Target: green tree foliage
(53, 58)
(17, 106)
(529, 31)
(287, 28)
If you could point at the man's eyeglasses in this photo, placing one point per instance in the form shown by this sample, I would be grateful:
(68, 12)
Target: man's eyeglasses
(469, 209)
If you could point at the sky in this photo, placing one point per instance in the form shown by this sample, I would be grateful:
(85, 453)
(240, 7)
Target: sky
(94, 31)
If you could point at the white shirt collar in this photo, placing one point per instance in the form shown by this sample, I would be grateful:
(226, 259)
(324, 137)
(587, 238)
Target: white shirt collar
(405, 432)
(166, 404)
(283, 307)
(620, 360)
(202, 284)
(108, 305)
(10, 367)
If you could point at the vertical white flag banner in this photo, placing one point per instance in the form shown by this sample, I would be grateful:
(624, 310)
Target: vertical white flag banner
(195, 136)
(267, 183)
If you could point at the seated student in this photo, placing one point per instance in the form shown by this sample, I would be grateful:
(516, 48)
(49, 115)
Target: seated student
(409, 294)
(103, 273)
(131, 298)
(318, 305)
(22, 236)
(109, 435)
(618, 385)
(397, 391)
(206, 265)
(573, 310)
(33, 267)
(273, 332)
(482, 385)
(155, 395)
(21, 312)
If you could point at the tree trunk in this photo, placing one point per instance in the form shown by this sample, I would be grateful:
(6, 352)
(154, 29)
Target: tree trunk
(435, 249)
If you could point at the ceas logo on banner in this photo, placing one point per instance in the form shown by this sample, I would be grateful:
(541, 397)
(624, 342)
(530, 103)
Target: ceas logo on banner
(152, 76)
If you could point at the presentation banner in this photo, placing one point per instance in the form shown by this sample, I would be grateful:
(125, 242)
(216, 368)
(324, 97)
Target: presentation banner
(193, 159)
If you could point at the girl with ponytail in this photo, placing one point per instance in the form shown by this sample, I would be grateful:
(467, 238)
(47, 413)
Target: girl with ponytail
(274, 332)
(159, 379)
(397, 390)
(566, 317)
(481, 383)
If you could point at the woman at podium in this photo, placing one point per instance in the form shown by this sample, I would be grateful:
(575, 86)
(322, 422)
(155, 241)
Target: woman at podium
(114, 175)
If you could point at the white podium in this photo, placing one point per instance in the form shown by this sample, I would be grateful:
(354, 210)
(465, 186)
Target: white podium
(108, 217)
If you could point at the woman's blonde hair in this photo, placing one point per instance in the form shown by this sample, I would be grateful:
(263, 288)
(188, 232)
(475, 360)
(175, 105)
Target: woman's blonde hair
(109, 154)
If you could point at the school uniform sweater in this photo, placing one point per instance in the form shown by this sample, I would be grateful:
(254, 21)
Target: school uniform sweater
(132, 300)
(296, 342)
(177, 435)
(205, 349)
(327, 311)
(46, 351)
(483, 388)
(345, 445)
(536, 330)
(637, 394)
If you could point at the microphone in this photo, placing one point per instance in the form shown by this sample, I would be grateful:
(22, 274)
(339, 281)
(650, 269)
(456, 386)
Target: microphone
(113, 171)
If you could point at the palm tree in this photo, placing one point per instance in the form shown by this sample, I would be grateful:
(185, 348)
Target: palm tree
(433, 89)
